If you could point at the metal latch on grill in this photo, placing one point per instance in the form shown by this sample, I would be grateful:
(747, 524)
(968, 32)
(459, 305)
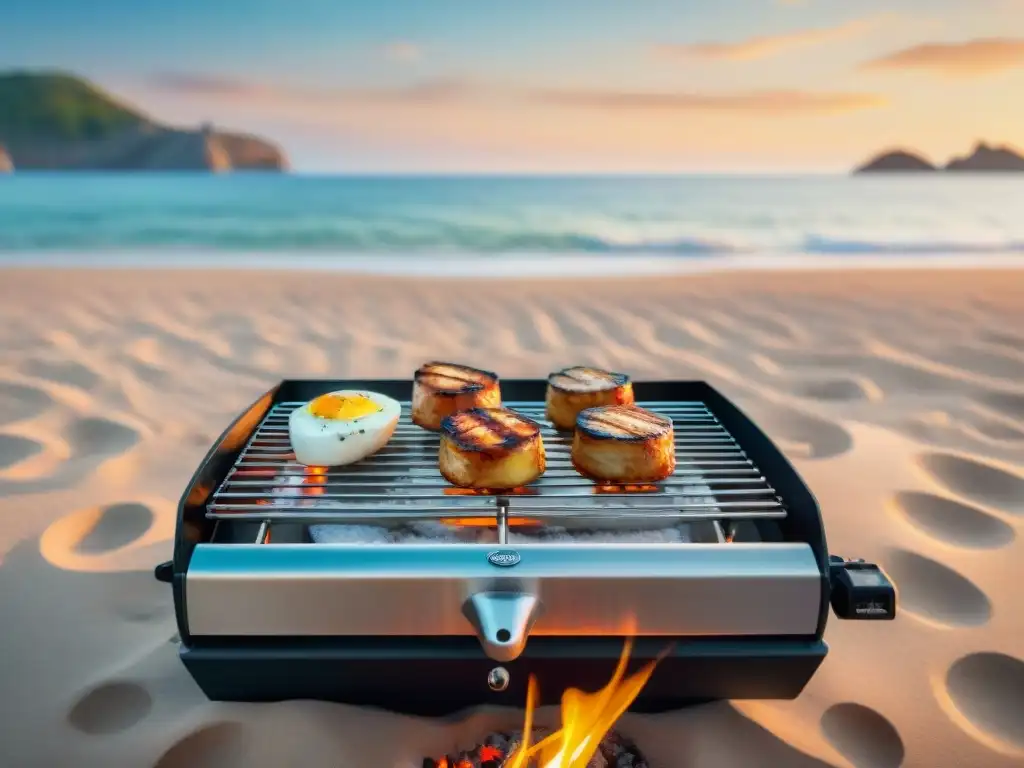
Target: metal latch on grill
(860, 590)
(503, 621)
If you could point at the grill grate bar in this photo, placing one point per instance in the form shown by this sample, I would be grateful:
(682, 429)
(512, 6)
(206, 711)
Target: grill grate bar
(374, 515)
(714, 480)
(721, 476)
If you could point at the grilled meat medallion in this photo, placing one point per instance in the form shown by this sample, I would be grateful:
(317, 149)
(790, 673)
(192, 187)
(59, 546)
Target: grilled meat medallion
(623, 444)
(441, 389)
(491, 448)
(575, 389)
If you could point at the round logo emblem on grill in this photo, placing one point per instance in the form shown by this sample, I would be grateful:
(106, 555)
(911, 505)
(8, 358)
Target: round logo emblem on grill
(503, 558)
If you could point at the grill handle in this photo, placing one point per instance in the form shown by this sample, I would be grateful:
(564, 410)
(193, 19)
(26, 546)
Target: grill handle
(164, 572)
(503, 621)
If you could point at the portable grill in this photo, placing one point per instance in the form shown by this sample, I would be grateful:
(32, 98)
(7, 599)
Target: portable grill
(381, 584)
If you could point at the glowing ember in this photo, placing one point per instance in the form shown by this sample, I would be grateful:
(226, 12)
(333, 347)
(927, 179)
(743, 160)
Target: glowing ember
(490, 522)
(585, 739)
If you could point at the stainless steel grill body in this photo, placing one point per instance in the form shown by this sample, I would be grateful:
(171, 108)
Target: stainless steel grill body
(265, 614)
(568, 589)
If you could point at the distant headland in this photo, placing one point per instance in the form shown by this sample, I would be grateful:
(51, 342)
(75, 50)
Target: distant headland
(984, 159)
(60, 122)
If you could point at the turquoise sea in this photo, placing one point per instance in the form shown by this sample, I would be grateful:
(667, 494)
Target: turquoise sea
(409, 218)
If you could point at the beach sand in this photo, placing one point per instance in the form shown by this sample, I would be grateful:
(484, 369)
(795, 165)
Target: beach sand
(899, 396)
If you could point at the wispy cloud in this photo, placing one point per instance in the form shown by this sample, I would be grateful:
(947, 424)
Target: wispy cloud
(793, 2)
(426, 91)
(459, 91)
(765, 102)
(972, 58)
(765, 45)
(403, 50)
(208, 85)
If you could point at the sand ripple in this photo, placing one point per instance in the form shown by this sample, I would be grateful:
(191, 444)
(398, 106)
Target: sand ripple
(838, 389)
(802, 435)
(988, 689)
(935, 592)
(15, 449)
(18, 402)
(862, 736)
(952, 522)
(1007, 403)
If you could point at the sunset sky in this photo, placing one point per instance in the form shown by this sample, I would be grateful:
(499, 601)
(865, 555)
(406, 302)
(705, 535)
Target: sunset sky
(554, 85)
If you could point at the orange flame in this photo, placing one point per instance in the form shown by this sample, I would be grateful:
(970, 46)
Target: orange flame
(586, 718)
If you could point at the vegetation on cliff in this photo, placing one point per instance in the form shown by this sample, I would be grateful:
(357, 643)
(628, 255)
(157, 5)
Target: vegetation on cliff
(54, 105)
(57, 121)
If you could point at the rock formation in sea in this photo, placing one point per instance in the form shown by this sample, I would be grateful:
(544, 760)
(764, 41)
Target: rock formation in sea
(895, 161)
(987, 159)
(56, 121)
(6, 166)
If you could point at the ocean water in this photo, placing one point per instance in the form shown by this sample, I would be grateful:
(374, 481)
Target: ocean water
(414, 218)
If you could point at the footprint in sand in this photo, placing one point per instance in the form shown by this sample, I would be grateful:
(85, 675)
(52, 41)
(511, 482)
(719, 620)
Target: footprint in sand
(862, 736)
(952, 522)
(213, 746)
(110, 708)
(988, 690)
(93, 436)
(935, 593)
(802, 435)
(18, 402)
(838, 390)
(976, 480)
(62, 372)
(84, 539)
(15, 449)
(112, 527)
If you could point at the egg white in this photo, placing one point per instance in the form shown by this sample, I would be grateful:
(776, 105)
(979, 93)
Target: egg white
(336, 442)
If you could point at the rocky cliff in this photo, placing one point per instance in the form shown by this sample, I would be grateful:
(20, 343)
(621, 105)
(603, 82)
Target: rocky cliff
(984, 159)
(6, 166)
(987, 159)
(895, 161)
(60, 122)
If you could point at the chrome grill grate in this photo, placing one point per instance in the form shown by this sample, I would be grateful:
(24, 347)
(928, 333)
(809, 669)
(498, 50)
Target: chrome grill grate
(714, 480)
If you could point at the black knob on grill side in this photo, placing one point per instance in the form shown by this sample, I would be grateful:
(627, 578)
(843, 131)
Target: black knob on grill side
(164, 572)
(861, 591)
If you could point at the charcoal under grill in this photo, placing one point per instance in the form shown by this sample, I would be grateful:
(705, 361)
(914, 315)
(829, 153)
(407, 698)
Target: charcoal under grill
(380, 583)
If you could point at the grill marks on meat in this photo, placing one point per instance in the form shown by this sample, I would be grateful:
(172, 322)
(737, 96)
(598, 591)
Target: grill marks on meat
(623, 422)
(583, 379)
(441, 389)
(489, 430)
(573, 390)
(623, 445)
(449, 378)
(491, 448)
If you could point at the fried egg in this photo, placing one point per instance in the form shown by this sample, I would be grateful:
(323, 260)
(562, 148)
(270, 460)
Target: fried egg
(342, 427)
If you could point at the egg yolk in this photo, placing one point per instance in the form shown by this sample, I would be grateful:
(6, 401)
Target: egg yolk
(342, 407)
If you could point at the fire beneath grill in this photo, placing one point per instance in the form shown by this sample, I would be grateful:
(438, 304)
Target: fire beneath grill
(498, 750)
(584, 740)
